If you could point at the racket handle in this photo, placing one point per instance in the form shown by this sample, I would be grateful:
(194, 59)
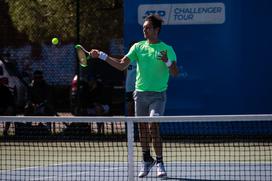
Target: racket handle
(103, 56)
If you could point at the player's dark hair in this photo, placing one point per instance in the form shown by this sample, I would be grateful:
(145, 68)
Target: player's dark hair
(155, 20)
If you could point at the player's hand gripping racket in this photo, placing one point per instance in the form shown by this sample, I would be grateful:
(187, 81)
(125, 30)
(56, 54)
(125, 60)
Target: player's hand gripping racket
(83, 55)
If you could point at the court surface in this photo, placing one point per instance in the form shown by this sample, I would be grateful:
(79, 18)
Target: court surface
(118, 171)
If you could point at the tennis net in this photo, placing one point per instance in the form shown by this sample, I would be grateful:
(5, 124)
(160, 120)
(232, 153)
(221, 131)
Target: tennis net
(212, 147)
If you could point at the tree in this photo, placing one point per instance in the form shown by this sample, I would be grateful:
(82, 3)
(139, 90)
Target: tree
(9, 34)
(41, 20)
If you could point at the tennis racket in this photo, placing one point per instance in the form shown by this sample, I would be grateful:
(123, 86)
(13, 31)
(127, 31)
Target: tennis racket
(83, 55)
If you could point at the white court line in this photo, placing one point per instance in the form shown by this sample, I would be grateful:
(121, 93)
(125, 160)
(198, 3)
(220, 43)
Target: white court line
(63, 164)
(77, 173)
(125, 163)
(63, 175)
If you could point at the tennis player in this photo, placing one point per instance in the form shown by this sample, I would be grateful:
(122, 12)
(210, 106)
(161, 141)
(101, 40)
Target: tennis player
(155, 59)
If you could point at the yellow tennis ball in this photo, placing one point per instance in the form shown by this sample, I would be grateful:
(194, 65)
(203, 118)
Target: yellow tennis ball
(55, 41)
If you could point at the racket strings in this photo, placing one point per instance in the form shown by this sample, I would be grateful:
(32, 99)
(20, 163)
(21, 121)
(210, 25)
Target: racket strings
(82, 57)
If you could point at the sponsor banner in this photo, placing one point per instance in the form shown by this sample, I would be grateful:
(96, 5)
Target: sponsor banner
(184, 14)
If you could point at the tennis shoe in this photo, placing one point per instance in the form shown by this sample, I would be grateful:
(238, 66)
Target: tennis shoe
(146, 167)
(161, 170)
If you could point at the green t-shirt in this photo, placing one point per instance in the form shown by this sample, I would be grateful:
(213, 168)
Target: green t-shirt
(152, 73)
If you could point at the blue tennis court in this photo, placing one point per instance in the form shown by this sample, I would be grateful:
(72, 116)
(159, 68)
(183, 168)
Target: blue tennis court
(118, 171)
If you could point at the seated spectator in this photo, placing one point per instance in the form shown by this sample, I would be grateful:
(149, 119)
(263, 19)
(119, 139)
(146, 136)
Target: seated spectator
(37, 95)
(7, 104)
(94, 100)
(99, 101)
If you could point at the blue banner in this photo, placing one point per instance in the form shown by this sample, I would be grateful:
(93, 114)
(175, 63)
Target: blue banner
(223, 49)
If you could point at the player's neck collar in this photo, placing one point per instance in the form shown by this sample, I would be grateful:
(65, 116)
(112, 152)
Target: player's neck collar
(153, 42)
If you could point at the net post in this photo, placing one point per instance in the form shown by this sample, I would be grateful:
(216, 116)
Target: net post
(130, 137)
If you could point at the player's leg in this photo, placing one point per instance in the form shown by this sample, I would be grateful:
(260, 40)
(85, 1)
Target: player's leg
(141, 109)
(156, 139)
(157, 144)
(144, 134)
(148, 161)
(157, 109)
(145, 141)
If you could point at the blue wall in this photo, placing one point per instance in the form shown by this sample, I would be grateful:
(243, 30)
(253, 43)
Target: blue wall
(228, 65)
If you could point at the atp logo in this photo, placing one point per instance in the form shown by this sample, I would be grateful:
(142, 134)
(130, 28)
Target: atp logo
(145, 10)
(184, 13)
(161, 13)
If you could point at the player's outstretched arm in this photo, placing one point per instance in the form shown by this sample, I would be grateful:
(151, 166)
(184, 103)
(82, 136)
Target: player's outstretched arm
(120, 64)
